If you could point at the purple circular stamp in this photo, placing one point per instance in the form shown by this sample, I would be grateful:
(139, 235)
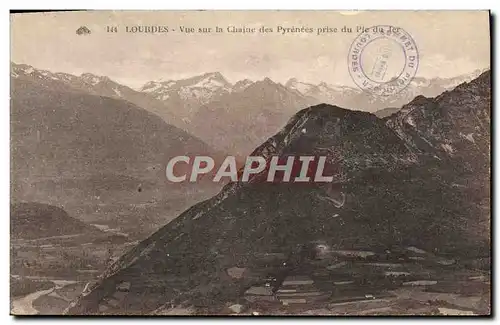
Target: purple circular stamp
(383, 60)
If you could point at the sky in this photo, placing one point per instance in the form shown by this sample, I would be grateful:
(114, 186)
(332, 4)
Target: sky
(449, 43)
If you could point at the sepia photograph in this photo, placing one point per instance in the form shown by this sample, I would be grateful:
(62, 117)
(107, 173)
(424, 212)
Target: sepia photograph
(250, 163)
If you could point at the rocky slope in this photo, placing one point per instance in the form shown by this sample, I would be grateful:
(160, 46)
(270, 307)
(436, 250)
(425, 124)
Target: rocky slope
(397, 184)
(59, 133)
(86, 152)
(34, 220)
(452, 132)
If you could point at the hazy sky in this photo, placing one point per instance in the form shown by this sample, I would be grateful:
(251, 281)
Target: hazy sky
(450, 43)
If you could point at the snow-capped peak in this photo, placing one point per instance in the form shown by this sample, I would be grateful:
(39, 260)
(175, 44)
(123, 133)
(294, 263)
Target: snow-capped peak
(28, 69)
(18, 70)
(92, 78)
(242, 84)
(154, 86)
(200, 88)
(302, 87)
(22, 69)
(217, 76)
(213, 81)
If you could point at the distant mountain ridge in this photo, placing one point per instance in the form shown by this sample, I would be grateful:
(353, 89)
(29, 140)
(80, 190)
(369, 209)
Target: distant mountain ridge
(196, 91)
(242, 114)
(201, 87)
(355, 98)
(95, 85)
(240, 119)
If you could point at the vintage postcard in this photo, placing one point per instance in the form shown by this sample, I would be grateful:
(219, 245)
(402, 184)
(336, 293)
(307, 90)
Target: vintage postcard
(250, 163)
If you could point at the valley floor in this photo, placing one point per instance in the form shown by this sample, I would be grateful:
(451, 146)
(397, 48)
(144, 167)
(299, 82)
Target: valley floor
(419, 284)
(356, 282)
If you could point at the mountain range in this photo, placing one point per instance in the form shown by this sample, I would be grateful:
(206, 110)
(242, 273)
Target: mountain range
(417, 178)
(98, 157)
(232, 108)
